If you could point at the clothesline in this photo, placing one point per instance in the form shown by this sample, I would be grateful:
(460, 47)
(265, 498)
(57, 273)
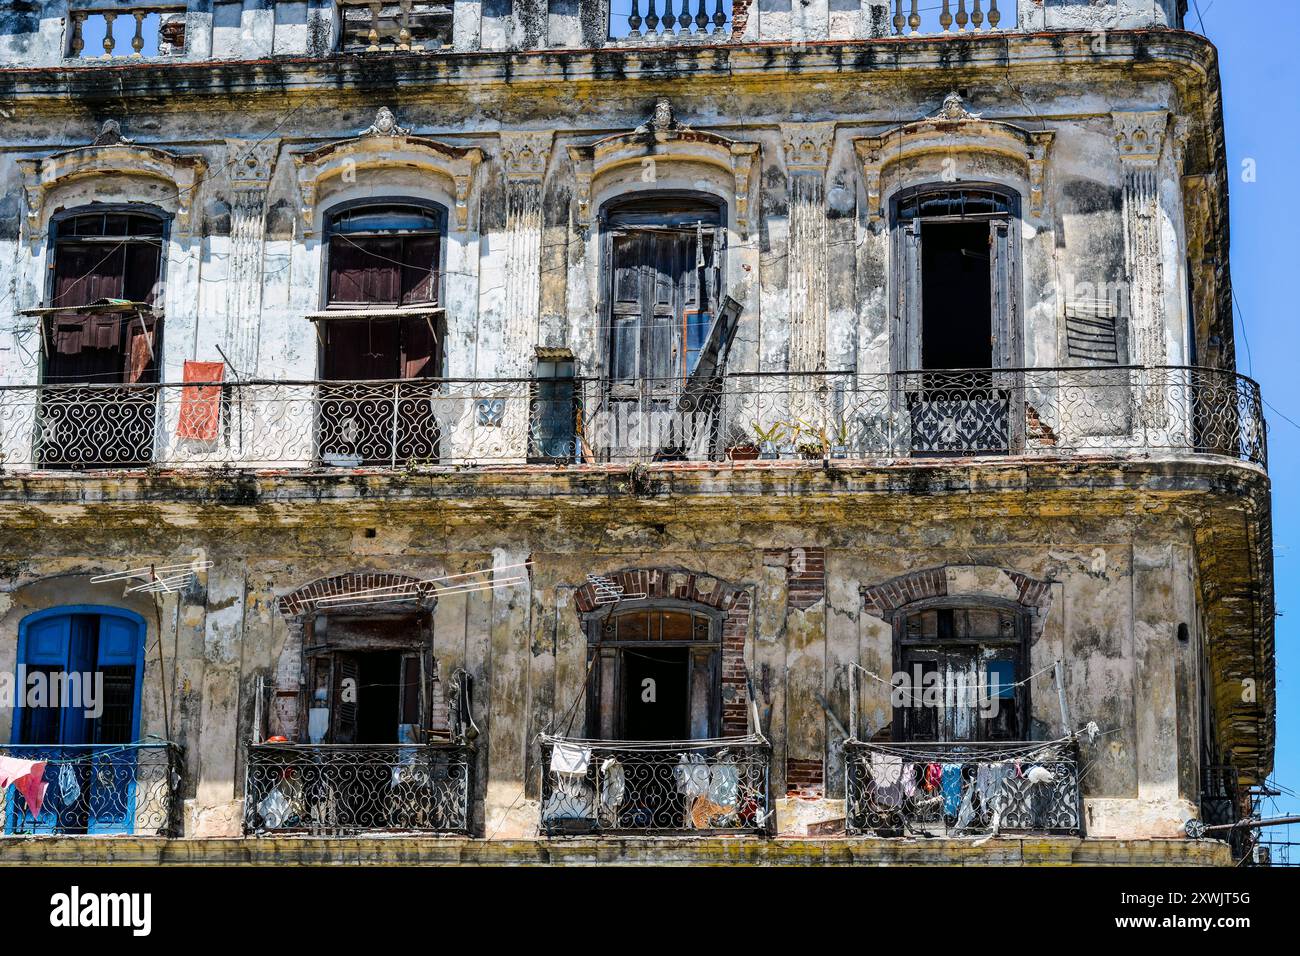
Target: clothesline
(748, 740)
(94, 751)
(915, 699)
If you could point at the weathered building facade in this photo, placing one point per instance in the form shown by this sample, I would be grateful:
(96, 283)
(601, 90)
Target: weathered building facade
(535, 428)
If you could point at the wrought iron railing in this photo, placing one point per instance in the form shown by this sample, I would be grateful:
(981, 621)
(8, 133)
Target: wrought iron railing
(97, 789)
(957, 789)
(333, 789)
(1099, 411)
(701, 787)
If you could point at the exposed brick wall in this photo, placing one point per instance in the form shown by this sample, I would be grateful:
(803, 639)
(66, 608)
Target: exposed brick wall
(739, 16)
(882, 599)
(805, 577)
(285, 711)
(805, 778)
(704, 589)
(302, 600)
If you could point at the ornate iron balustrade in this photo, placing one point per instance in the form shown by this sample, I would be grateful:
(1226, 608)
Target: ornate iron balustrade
(1110, 411)
(334, 789)
(702, 786)
(98, 789)
(959, 789)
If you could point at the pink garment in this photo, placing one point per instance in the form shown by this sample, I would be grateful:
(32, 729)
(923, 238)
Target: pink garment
(29, 777)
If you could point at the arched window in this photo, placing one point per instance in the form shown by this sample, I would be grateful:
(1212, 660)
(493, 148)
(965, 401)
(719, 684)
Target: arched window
(384, 261)
(106, 277)
(664, 285)
(80, 649)
(962, 664)
(656, 675)
(384, 255)
(956, 271)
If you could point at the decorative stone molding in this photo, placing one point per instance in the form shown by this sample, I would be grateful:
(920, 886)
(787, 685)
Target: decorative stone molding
(1140, 140)
(663, 140)
(1140, 137)
(954, 129)
(808, 146)
(110, 154)
(249, 167)
(251, 163)
(524, 155)
(386, 145)
(385, 124)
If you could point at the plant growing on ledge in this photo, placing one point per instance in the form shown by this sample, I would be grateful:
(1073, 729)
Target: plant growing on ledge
(832, 441)
(768, 438)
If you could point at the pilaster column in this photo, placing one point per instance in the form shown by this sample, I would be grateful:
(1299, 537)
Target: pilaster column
(249, 168)
(807, 155)
(524, 156)
(1140, 139)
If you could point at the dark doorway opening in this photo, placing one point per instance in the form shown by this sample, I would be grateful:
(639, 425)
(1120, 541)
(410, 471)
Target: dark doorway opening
(957, 319)
(379, 696)
(655, 693)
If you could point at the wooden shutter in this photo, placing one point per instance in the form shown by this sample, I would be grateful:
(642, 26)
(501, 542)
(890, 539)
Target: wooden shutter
(908, 325)
(419, 348)
(362, 349)
(626, 305)
(702, 693)
(420, 270)
(86, 272)
(1002, 294)
(663, 293)
(345, 701)
(141, 271)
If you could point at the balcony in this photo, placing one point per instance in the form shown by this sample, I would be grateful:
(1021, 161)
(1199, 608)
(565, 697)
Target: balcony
(957, 790)
(404, 26)
(1098, 412)
(98, 789)
(670, 22)
(340, 789)
(654, 788)
(938, 17)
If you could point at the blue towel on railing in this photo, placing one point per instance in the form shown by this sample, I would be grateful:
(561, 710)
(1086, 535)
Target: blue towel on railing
(950, 784)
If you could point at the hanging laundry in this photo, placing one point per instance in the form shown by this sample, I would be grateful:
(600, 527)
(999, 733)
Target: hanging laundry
(724, 786)
(1040, 775)
(692, 775)
(950, 783)
(69, 788)
(28, 777)
(570, 759)
(933, 776)
(613, 785)
(886, 779)
(967, 812)
(909, 780)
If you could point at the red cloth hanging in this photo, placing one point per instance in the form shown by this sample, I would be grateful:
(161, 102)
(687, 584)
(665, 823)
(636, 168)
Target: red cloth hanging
(28, 776)
(201, 403)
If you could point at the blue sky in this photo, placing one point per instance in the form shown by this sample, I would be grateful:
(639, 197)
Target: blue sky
(1258, 59)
